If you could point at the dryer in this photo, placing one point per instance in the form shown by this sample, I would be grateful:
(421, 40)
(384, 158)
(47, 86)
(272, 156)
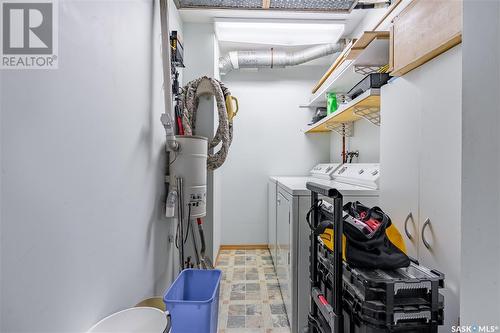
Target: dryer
(321, 171)
(289, 201)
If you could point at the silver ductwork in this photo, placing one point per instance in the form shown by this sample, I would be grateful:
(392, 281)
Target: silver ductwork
(273, 58)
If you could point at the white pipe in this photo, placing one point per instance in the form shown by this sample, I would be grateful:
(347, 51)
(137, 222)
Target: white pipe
(274, 58)
(167, 118)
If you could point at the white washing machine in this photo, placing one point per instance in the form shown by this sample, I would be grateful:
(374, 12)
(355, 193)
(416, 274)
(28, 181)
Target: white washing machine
(289, 201)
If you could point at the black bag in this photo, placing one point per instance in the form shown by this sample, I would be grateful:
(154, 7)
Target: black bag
(376, 250)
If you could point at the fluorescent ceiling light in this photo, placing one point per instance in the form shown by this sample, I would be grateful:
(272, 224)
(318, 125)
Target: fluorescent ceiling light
(278, 33)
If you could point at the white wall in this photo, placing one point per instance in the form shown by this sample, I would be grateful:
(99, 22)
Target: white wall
(267, 141)
(82, 160)
(480, 276)
(369, 21)
(366, 140)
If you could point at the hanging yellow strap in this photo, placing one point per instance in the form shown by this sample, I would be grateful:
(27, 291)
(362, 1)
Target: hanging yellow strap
(232, 108)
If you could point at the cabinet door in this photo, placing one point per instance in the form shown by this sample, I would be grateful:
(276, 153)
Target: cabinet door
(399, 159)
(423, 30)
(440, 174)
(271, 219)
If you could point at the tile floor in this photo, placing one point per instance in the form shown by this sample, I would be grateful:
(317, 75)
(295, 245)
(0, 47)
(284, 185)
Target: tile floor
(250, 298)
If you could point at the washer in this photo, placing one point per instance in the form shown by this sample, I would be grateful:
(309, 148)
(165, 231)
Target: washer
(289, 201)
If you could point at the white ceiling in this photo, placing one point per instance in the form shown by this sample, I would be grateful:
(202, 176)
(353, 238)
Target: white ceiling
(283, 33)
(350, 21)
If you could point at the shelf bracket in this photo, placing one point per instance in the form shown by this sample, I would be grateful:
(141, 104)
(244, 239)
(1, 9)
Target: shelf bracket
(367, 69)
(342, 129)
(370, 113)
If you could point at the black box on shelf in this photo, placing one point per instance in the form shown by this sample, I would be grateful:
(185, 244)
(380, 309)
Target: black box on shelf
(375, 80)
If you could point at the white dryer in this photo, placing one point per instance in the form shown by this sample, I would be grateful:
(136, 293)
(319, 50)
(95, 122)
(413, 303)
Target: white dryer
(289, 201)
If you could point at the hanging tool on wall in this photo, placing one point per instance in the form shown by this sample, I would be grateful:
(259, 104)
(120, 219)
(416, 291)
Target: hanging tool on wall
(177, 60)
(177, 50)
(190, 101)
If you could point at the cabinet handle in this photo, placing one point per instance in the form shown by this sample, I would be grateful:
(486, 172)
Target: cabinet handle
(410, 216)
(426, 224)
(278, 201)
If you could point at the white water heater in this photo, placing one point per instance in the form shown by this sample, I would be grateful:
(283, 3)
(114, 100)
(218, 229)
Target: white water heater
(189, 162)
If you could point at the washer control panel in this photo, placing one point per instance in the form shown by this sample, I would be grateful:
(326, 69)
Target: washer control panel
(324, 170)
(362, 174)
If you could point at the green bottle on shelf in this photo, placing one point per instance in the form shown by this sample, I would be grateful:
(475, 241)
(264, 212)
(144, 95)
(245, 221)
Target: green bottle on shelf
(331, 103)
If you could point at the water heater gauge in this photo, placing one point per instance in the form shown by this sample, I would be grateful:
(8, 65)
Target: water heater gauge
(197, 201)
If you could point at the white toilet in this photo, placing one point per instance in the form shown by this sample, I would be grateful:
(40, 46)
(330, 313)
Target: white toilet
(133, 320)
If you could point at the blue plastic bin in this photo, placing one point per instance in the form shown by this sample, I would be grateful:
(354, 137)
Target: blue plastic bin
(193, 301)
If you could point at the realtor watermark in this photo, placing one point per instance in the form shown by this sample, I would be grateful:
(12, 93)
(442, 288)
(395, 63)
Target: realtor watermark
(29, 34)
(475, 329)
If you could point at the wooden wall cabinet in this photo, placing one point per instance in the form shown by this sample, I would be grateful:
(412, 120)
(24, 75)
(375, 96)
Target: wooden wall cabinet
(422, 31)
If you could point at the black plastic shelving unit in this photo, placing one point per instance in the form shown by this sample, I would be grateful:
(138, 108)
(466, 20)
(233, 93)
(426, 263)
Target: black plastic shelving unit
(345, 299)
(323, 316)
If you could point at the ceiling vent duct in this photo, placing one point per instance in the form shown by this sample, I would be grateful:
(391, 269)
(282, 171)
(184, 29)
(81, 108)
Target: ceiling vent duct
(273, 58)
(339, 6)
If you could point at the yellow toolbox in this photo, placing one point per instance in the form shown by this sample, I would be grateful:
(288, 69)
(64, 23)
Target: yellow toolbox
(392, 233)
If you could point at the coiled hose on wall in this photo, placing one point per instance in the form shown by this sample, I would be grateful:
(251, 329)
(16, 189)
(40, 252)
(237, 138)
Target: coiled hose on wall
(224, 134)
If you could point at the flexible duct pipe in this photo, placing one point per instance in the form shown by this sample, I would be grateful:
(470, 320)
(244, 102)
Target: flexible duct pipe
(274, 58)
